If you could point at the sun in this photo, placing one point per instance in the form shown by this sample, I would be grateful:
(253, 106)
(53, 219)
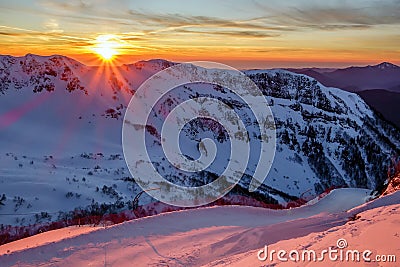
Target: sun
(106, 52)
(106, 46)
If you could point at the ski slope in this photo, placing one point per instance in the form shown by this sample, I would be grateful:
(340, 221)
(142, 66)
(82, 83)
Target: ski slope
(215, 236)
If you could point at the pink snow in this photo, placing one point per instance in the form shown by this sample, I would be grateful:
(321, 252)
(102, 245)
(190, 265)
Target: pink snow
(223, 236)
(46, 238)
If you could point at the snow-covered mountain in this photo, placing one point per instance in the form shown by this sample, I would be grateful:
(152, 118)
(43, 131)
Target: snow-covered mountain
(60, 136)
(378, 85)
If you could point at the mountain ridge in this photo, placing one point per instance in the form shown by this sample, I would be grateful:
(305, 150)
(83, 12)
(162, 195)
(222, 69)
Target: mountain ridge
(381, 77)
(329, 137)
(384, 75)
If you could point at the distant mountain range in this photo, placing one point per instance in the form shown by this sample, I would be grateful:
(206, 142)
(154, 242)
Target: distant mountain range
(354, 79)
(378, 85)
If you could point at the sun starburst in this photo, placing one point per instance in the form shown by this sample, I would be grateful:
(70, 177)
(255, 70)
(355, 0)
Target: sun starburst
(106, 46)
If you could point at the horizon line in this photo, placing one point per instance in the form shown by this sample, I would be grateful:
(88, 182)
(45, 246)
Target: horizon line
(296, 64)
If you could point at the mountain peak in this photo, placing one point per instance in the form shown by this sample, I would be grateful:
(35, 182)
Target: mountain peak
(155, 61)
(60, 59)
(155, 64)
(386, 65)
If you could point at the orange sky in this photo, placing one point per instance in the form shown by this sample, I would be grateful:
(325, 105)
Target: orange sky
(241, 33)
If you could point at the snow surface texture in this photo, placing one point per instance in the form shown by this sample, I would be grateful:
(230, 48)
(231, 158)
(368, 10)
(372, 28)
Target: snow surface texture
(222, 236)
(60, 137)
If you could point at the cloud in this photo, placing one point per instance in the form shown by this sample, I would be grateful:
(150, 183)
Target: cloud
(71, 5)
(52, 26)
(273, 17)
(8, 34)
(117, 16)
(236, 33)
(340, 16)
(179, 20)
(273, 26)
(18, 35)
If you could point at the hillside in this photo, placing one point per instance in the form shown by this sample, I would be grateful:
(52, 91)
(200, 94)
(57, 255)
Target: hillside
(385, 102)
(223, 236)
(61, 137)
(365, 81)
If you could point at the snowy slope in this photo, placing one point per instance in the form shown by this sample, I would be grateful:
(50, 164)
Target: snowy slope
(373, 229)
(60, 136)
(46, 238)
(219, 236)
(61, 147)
